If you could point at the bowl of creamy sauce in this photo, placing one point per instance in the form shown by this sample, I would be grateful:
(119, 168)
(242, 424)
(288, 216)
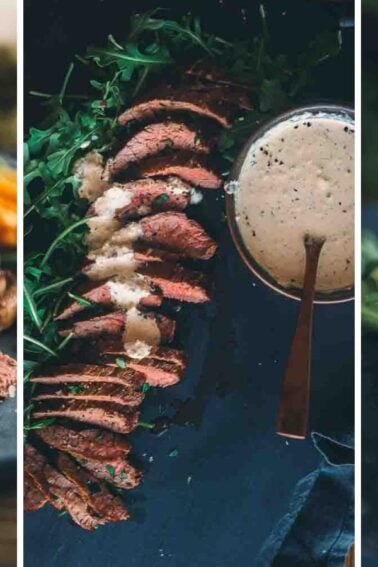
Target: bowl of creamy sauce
(295, 177)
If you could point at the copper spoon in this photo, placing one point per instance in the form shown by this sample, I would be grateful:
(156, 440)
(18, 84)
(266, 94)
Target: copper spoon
(293, 410)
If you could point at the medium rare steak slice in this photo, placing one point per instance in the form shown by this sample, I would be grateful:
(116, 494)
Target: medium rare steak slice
(219, 102)
(213, 103)
(92, 392)
(81, 373)
(176, 282)
(175, 231)
(141, 197)
(157, 372)
(154, 139)
(108, 505)
(109, 324)
(114, 259)
(34, 499)
(168, 354)
(189, 167)
(170, 230)
(99, 497)
(8, 376)
(34, 466)
(90, 444)
(103, 414)
(133, 325)
(124, 475)
(161, 367)
(117, 293)
(76, 506)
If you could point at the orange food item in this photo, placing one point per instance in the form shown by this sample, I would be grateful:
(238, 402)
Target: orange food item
(8, 207)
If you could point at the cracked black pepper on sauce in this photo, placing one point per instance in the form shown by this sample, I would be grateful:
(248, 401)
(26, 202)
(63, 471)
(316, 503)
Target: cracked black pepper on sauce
(298, 179)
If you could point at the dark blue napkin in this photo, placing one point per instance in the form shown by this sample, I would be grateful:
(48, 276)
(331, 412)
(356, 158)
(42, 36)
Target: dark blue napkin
(318, 529)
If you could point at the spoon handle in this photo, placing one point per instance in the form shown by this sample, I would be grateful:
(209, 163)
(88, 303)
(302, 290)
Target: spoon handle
(293, 410)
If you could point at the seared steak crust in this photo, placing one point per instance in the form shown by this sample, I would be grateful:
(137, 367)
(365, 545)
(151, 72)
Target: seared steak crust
(34, 499)
(78, 373)
(124, 475)
(189, 167)
(154, 139)
(117, 323)
(90, 444)
(101, 295)
(176, 232)
(101, 500)
(103, 414)
(212, 103)
(154, 195)
(34, 465)
(67, 492)
(116, 393)
(176, 282)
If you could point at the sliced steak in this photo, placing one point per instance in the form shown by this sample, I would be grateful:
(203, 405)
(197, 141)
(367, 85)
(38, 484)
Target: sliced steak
(111, 294)
(133, 325)
(99, 497)
(176, 282)
(34, 466)
(98, 295)
(157, 372)
(189, 167)
(167, 354)
(8, 376)
(103, 414)
(114, 259)
(108, 505)
(81, 373)
(90, 444)
(175, 231)
(109, 324)
(124, 476)
(76, 506)
(213, 103)
(148, 196)
(34, 499)
(92, 392)
(154, 139)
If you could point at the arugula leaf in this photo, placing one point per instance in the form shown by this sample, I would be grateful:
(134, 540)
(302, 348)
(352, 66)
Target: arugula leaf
(120, 362)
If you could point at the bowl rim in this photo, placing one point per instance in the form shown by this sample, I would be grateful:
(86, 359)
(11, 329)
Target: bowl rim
(337, 296)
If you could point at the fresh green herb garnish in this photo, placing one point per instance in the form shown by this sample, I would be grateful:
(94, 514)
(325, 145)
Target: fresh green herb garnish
(40, 424)
(121, 363)
(111, 470)
(145, 387)
(161, 198)
(75, 389)
(80, 300)
(146, 425)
